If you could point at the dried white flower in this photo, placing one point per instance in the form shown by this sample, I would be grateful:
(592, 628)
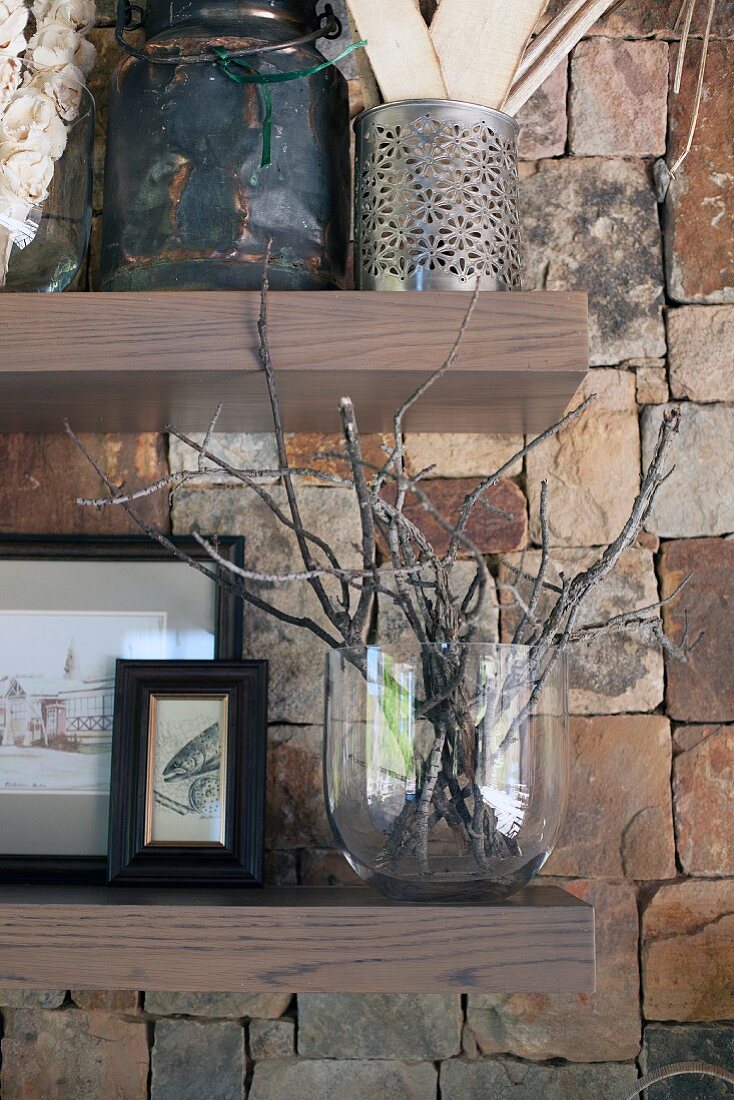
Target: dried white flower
(30, 171)
(35, 112)
(78, 14)
(85, 57)
(53, 46)
(39, 9)
(11, 71)
(13, 21)
(63, 85)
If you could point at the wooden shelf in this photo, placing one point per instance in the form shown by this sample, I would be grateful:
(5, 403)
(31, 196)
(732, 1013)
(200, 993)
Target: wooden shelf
(303, 940)
(134, 362)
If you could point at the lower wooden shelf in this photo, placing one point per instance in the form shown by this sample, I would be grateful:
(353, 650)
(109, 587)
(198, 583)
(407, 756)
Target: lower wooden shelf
(296, 939)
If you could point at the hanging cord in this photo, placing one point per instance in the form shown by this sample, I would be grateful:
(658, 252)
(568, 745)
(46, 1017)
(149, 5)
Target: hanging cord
(244, 74)
(329, 26)
(664, 174)
(675, 1070)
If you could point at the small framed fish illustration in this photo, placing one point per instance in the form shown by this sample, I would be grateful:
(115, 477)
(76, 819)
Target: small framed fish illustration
(188, 773)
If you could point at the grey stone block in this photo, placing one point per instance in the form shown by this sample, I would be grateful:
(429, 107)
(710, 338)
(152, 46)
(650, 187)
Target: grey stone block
(698, 497)
(217, 1005)
(301, 1079)
(379, 1025)
(501, 1079)
(272, 1039)
(198, 1061)
(709, 1043)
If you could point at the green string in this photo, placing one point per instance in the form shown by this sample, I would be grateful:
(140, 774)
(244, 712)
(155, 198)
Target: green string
(250, 76)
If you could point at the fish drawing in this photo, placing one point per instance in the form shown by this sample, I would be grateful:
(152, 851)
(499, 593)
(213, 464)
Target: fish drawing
(201, 754)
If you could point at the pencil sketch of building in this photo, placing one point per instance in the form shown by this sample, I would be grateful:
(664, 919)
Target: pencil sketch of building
(58, 713)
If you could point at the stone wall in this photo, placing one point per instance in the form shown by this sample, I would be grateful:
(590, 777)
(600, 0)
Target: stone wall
(650, 834)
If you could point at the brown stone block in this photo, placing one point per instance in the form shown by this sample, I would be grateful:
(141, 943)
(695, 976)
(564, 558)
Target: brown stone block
(652, 385)
(699, 209)
(303, 447)
(619, 98)
(543, 121)
(614, 673)
(688, 951)
(592, 468)
(703, 800)
(496, 527)
(69, 1053)
(44, 474)
(701, 349)
(100, 1000)
(619, 819)
(280, 869)
(655, 19)
(272, 1039)
(95, 253)
(452, 454)
(195, 1059)
(584, 1027)
(327, 869)
(296, 812)
(295, 689)
(701, 688)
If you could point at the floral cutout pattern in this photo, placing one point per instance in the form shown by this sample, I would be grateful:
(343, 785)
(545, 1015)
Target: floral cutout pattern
(438, 197)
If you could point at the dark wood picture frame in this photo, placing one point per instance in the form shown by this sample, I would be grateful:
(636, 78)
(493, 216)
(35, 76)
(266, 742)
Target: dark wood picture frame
(238, 859)
(228, 646)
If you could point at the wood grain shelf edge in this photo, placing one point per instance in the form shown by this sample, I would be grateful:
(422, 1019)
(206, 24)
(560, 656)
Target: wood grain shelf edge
(290, 939)
(134, 362)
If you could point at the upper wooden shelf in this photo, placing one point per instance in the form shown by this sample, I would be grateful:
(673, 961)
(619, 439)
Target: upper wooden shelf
(135, 362)
(301, 940)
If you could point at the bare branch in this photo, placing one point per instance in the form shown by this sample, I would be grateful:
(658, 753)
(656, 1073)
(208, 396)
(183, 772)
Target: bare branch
(538, 585)
(339, 618)
(360, 621)
(208, 436)
(572, 597)
(522, 575)
(478, 492)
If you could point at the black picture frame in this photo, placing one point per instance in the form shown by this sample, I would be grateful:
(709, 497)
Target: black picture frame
(235, 860)
(229, 628)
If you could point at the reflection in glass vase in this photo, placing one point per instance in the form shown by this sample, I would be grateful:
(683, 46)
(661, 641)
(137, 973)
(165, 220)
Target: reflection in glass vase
(52, 259)
(446, 769)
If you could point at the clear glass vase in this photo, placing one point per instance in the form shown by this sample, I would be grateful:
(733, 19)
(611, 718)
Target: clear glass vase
(53, 258)
(446, 770)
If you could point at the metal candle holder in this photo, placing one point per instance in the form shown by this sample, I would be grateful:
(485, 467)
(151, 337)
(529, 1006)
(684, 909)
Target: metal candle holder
(436, 198)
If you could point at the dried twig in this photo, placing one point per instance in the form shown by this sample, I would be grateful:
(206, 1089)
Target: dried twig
(557, 44)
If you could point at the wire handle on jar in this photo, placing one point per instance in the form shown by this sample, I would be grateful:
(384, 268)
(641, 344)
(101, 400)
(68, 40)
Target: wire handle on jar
(329, 27)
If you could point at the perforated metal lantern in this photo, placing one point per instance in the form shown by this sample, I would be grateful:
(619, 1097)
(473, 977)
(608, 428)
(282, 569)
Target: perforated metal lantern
(436, 204)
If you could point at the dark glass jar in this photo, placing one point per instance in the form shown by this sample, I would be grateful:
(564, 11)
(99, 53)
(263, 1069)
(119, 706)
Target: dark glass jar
(186, 205)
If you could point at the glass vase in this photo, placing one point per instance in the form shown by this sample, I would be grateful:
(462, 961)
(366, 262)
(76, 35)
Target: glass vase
(446, 769)
(53, 258)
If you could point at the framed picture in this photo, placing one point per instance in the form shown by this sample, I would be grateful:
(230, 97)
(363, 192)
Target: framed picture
(188, 773)
(69, 608)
